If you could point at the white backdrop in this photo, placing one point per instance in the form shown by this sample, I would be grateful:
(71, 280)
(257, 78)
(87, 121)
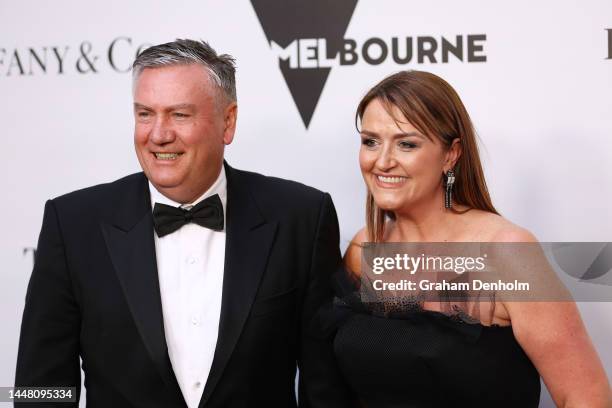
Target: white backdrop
(540, 103)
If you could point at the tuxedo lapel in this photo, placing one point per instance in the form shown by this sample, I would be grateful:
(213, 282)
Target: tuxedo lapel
(131, 246)
(249, 238)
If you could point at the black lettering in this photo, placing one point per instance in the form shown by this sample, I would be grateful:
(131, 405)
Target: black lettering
(367, 46)
(473, 48)
(60, 59)
(395, 50)
(111, 56)
(450, 48)
(41, 64)
(609, 30)
(348, 56)
(85, 49)
(32, 250)
(429, 51)
(15, 62)
(2, 54)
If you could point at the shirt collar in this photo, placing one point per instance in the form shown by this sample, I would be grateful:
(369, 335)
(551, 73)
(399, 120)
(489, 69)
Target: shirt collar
(218, 187)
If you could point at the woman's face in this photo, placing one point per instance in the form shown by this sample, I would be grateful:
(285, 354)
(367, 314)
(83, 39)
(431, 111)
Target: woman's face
(401, 167)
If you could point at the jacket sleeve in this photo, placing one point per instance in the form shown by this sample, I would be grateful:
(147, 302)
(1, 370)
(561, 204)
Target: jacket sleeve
(320, 381)
(48, 353)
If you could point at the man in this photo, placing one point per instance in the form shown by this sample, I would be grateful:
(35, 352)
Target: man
(193, 283)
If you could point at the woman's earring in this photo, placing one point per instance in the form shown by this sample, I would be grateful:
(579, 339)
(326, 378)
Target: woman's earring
(448, 194)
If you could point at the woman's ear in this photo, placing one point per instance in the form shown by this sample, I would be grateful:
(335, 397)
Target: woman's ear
(452, 155)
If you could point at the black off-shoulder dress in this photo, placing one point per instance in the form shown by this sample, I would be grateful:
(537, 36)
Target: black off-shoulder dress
(400, 355)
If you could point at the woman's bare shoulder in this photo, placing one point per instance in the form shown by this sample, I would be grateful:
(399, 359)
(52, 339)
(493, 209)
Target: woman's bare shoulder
(509, 232)
(495, 228)
(352, 256)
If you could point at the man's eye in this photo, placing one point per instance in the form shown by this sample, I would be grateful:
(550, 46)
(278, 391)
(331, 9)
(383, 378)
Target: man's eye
(143, 114)
(180, 115)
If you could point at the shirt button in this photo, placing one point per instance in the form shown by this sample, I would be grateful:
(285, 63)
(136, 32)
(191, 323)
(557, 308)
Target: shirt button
(198, 384)
(191, 260)
(195, 321)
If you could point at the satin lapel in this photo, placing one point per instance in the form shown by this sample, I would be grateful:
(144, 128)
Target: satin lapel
(248, 241)
(130, 243)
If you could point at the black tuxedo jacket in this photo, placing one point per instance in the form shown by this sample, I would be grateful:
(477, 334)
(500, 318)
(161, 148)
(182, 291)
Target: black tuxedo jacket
(94, 293)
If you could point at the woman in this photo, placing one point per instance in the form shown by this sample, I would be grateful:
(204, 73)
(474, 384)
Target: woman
(425, 183)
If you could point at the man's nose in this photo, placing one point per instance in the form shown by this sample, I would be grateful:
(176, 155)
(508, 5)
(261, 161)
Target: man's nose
(162, 132)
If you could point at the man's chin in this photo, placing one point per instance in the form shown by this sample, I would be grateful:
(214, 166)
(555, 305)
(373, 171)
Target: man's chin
(164, 183)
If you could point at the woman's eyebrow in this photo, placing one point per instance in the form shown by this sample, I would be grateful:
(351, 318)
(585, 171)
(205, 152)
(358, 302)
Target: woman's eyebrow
(395, 136)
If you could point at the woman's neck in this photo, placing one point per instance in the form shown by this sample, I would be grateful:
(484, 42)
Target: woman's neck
(425, 223)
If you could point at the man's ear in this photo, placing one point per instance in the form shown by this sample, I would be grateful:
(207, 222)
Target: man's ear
(230, 114)
(452, 155)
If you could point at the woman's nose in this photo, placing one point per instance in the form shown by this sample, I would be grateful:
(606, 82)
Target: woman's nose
(386, 159)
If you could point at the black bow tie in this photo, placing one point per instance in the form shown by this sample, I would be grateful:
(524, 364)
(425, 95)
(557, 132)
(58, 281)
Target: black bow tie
(208, 213)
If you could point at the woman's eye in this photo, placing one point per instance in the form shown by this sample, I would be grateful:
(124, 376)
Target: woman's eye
(407, 145)
(368, 142)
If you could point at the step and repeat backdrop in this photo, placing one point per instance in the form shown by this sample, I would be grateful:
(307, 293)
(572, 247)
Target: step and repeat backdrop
(536, 78)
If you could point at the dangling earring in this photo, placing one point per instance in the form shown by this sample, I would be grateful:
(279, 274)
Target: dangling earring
(450, 180)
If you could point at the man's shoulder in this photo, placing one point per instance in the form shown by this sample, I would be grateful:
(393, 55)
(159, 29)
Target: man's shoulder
(282, 199)
(103, 193)
(280, 189)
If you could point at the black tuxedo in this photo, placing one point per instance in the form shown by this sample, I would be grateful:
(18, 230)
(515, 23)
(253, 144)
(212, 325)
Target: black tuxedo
(94, 293)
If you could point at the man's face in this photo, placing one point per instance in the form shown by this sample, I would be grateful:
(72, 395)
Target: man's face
(182, 124)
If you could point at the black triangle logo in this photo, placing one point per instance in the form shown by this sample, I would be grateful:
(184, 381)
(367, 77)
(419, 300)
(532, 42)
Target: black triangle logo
(286, 21)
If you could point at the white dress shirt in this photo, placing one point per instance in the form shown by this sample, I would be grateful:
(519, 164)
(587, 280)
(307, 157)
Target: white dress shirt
(190, 265)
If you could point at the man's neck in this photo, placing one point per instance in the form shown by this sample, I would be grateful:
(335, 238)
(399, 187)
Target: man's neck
(185, 195)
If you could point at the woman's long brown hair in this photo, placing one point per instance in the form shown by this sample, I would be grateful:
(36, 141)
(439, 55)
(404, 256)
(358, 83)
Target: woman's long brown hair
(434, 108)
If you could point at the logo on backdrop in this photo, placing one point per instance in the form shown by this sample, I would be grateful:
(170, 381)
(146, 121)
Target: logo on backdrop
(609, 30)
(84, 58)
(308, 38)
(587, 261)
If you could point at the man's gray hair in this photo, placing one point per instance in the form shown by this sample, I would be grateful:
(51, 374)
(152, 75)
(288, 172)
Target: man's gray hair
(221, 68)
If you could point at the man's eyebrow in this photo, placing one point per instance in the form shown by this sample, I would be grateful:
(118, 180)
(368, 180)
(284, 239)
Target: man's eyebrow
(181, 106)
(141, 106)
(169, 108)
(395, 136)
